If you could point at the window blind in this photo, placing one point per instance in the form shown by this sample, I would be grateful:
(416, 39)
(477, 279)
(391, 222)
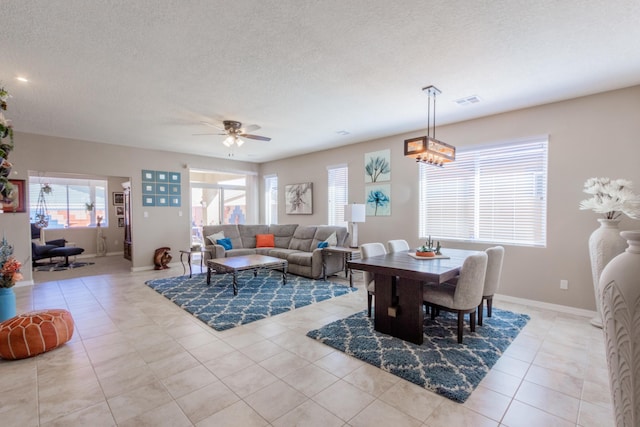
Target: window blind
(494, 194)
(271, 199)
(337, 193)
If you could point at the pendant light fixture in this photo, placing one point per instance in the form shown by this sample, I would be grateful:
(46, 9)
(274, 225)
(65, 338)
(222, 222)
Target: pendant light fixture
(427, 149)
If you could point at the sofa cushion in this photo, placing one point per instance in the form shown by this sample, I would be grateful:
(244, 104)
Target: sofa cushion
(283, 234)
(281, 253)
(248, 234)
(213, 238)
(301, 258)
(323, 232)
(230, 231)
(332, 240)
(265, 241)
(239, 252)
(323, 245)
(225, 243)
(303, 237)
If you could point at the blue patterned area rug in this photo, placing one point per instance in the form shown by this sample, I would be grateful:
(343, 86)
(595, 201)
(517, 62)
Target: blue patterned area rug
(258, 297)
(440, 364)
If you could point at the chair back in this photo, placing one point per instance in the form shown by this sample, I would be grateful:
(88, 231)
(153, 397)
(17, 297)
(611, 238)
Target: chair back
(468, 293)
(494, 270)
(369, 250)
(397, 246)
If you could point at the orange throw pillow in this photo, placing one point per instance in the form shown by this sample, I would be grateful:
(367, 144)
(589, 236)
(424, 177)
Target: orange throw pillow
(265, 241)
(30, 334)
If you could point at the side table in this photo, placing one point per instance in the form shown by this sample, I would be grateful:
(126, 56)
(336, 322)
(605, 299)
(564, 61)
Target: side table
(188, 253)
(347, 254)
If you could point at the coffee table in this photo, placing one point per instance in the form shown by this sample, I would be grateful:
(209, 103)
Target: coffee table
(235, 264)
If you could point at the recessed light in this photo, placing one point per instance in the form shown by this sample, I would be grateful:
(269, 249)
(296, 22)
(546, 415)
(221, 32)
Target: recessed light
(342, 132)
(22, 79)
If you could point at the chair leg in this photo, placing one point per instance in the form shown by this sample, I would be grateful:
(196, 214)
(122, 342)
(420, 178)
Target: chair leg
(433, 312)
(489, 305)
(369, 298)
(460, 326)
(480, 310)
(472, 320)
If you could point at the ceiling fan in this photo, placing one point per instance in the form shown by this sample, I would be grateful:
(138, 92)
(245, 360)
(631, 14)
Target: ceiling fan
(234, 131)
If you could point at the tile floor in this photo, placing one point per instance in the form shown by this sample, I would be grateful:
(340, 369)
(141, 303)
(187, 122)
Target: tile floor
(136, 359)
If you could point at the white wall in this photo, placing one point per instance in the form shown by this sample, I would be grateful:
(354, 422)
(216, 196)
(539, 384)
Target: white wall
(590, 136)
(163, 226)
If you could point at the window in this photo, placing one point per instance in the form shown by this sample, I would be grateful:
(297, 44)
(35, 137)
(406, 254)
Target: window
(493, 194)
(271, 199)
(337, 193)
(67, 204)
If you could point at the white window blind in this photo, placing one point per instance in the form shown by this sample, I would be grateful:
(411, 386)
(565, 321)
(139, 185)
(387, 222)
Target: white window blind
(271, 199)
(338, 193)
(66, 205)
(494, 194)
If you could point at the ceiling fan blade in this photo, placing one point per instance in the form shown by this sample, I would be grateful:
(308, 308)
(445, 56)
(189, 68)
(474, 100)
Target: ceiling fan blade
(258, 137)
(213, 125)
(197, 134)
(249, 128)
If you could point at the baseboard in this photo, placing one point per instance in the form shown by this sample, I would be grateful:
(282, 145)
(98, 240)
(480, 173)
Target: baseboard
(546, 305)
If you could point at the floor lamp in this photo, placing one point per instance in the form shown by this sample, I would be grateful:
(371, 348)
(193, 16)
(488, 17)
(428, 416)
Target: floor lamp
(354, 214)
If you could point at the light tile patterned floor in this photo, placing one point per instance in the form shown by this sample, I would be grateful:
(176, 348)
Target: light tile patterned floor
(136, 359)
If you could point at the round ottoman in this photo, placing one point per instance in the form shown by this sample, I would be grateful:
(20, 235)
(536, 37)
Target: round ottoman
(32, 333)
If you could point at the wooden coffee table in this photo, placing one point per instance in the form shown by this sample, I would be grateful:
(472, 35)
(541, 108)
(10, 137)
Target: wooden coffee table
(235, 264)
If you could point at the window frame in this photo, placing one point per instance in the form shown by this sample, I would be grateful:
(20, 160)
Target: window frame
(337, 193)
(495, 193)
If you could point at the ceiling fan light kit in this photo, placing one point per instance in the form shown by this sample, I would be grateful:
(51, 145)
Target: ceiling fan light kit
(234, 131)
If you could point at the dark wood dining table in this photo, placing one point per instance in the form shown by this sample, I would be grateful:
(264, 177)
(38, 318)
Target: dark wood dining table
(398, 288)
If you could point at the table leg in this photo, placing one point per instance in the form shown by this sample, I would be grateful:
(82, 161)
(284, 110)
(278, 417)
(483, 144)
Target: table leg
(208, 275)
(184, 269)
(399, 308)
(284, 274)
(347, 258)
(189, 262)
(235, 282)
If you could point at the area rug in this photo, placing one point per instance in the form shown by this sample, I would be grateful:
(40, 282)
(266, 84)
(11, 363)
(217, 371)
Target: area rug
(59, 266)
(258, 297)
(440, 364)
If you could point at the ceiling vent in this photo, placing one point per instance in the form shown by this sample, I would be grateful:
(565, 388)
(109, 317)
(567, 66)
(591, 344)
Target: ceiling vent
(468, 100)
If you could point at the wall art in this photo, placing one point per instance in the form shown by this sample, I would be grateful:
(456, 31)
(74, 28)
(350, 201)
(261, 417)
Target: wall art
(377, 166)
(299, 198)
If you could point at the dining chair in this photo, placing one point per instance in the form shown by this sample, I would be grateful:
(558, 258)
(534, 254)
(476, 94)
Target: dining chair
(462, 298)
(495, 257)
(369, 250)
(397, 246)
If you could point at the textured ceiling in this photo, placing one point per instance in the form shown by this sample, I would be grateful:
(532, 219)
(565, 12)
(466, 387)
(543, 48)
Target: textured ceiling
(145, 73)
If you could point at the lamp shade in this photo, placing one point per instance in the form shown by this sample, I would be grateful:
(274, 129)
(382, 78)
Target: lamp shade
(354, 213)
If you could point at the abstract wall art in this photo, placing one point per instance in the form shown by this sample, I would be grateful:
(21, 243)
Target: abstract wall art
(299, 198)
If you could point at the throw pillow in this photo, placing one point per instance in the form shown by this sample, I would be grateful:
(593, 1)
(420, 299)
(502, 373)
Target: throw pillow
(215, 237)
(332, 240)
(323, 245)
(265, 241)
(225, 243)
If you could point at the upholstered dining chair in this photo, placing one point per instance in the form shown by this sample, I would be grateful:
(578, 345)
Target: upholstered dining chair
(369, 250)
(397, 246)
(462, 298)
(492, 279)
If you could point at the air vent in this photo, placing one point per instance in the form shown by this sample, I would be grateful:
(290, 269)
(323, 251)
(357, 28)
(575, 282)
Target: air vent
(468, 100)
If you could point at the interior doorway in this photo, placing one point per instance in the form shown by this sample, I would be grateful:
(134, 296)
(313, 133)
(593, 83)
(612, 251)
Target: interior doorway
(216, 198)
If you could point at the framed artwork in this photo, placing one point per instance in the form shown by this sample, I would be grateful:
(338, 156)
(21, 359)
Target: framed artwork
(299, 198)
(148, 200)
(377, 166)
(120, 210)
(118, 198)
(162, 176)
(20, 201)
(121, 222)
(377, 199)
(175, 201)
(148, 188)
(161, 188)
(148, 176)
(174, 177)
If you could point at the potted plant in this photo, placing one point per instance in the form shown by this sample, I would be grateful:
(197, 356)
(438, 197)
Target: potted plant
(89, 206)
(428, 250)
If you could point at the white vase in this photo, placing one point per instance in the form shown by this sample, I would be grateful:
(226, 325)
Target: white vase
(619, 291)
(604, 244)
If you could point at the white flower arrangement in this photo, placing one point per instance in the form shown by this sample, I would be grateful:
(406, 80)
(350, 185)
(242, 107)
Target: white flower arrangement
(611, 197)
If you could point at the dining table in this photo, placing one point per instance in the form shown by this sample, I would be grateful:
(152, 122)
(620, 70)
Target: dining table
(399, 278)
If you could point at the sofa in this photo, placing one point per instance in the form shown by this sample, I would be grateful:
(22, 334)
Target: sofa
(298, 244)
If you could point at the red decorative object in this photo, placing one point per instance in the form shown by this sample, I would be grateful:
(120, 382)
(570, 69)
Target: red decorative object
(30, 334)
(427, 254)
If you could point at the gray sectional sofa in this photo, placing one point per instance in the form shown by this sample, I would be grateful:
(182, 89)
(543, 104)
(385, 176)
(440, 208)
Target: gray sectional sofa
(298, 244)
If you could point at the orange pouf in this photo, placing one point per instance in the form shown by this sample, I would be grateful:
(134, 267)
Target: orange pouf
(30, 334)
